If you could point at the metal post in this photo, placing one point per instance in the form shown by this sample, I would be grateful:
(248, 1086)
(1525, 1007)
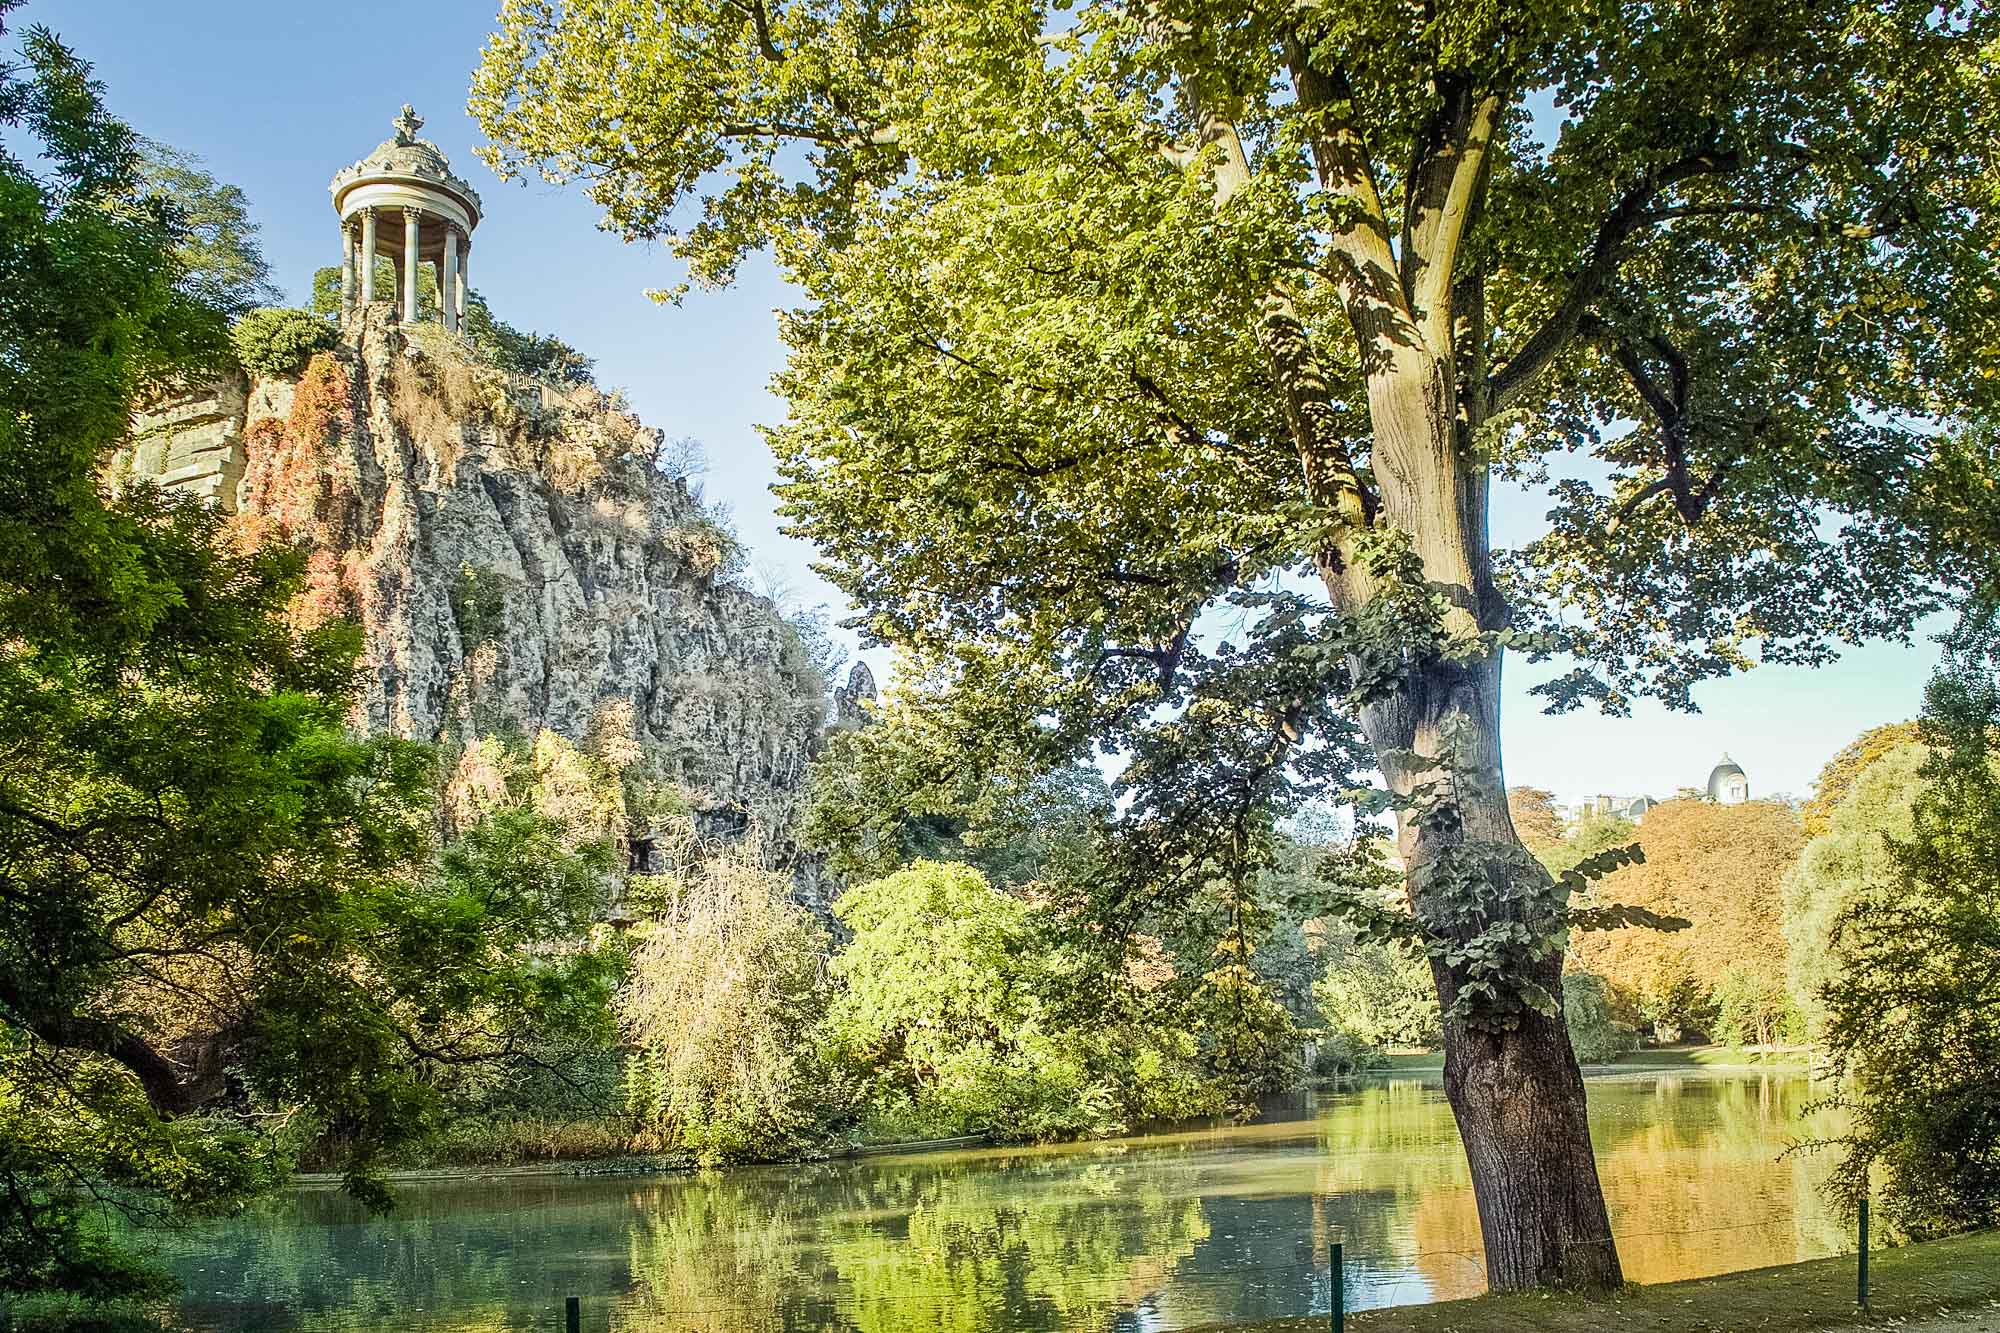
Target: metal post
(1337, 1313)
(573, 1314)
(1861, 1268)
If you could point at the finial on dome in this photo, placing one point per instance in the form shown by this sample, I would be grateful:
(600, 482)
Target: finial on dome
(407, 125)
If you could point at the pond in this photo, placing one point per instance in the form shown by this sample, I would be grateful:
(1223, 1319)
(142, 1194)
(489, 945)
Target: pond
(1155, 1232)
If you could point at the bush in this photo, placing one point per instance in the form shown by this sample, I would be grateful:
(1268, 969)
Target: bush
(1341, 1054)
(479, 605)
(1752, 1008)
(964, 1010)
(1594, 1029)
(277, 341)
(1380, 995)
(726, 985)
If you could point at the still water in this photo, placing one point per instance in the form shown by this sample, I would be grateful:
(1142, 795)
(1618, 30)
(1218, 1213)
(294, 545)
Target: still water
(1159, 1232)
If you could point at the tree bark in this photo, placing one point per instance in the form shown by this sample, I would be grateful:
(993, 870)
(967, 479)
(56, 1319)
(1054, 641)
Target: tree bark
(1517, 1094)
(1519, 1102)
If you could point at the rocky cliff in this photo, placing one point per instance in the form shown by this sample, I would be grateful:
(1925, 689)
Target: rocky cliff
(517, 559)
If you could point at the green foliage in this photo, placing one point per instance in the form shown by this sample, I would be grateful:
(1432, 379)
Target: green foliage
(1836, 780)
(1913, 1009)
(221, 923)
(326, 288)
(222, 265)
(505, 347)
(728, 980)
(1854, 858)
(279, 342)
(899, 791)
(813, 641)
(1153, 370)
(1591, 837)
(1379, 995)
(478, 604)
(1594, 1029)
(1753, 1007)
(965, 1010)
(1217, 349)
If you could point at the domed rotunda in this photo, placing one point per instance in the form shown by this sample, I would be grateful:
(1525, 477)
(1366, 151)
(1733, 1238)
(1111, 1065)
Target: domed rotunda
(405, 180)
(1727, 784)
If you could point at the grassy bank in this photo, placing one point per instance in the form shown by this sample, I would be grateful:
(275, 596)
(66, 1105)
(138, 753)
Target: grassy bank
(1786, 1059)
(1912, 1282)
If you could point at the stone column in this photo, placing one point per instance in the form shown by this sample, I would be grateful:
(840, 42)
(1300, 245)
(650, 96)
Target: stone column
(346, 268)
(410, 262)
(367, 283)
(464, 261)
(448, 280)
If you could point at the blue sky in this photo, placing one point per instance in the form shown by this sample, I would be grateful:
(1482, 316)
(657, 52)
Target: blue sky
(276, 97)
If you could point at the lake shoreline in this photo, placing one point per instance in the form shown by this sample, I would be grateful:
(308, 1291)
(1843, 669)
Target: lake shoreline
(1204, 1225)
(637, 1164)
(1717, 1060)
(1909, 1282)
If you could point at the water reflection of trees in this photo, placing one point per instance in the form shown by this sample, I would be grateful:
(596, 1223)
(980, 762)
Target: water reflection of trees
(1204, 1225)
(1695, 1173)
(945, 1245)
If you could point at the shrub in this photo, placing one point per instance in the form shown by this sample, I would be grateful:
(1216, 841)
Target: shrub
(479, 605)
(726, 985)
(964, 1010)
(1341, 1054)
(1380, 995)
(278, 341)
(1594, 1029)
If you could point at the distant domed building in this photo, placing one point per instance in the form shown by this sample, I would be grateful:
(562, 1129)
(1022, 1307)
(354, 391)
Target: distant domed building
(1727, 784)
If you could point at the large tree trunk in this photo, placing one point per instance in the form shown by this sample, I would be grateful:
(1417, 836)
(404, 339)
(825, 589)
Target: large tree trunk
(1515, 1089)
(1516, 1093)
(1518, 1099)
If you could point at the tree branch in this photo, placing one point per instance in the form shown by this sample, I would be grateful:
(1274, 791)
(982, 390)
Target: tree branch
(1629, 214)
(1365, 265)
(1442, 196)
(760, 23)
(876, 137)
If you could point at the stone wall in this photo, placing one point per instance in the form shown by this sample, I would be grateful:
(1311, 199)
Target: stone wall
(193, 443)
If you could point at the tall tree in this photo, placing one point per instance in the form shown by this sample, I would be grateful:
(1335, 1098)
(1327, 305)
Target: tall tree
(1721, 868)
(1537, 820)
(1838, 778)
(222, 265)
(1913, 1002)
(1119, 314)
(1852, 857)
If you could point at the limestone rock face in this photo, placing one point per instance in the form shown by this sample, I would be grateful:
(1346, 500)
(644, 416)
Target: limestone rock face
(516, 558)
(854, 702)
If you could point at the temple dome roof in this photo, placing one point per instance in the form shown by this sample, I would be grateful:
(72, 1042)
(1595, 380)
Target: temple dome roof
(418, 155)
(403, 157)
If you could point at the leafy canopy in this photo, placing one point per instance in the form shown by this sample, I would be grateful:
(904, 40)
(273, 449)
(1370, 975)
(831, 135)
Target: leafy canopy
(1739, 254)
(1720, 868)
(964, 1009)
(221, 262)
(1101, 299)
(1913, 1007)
